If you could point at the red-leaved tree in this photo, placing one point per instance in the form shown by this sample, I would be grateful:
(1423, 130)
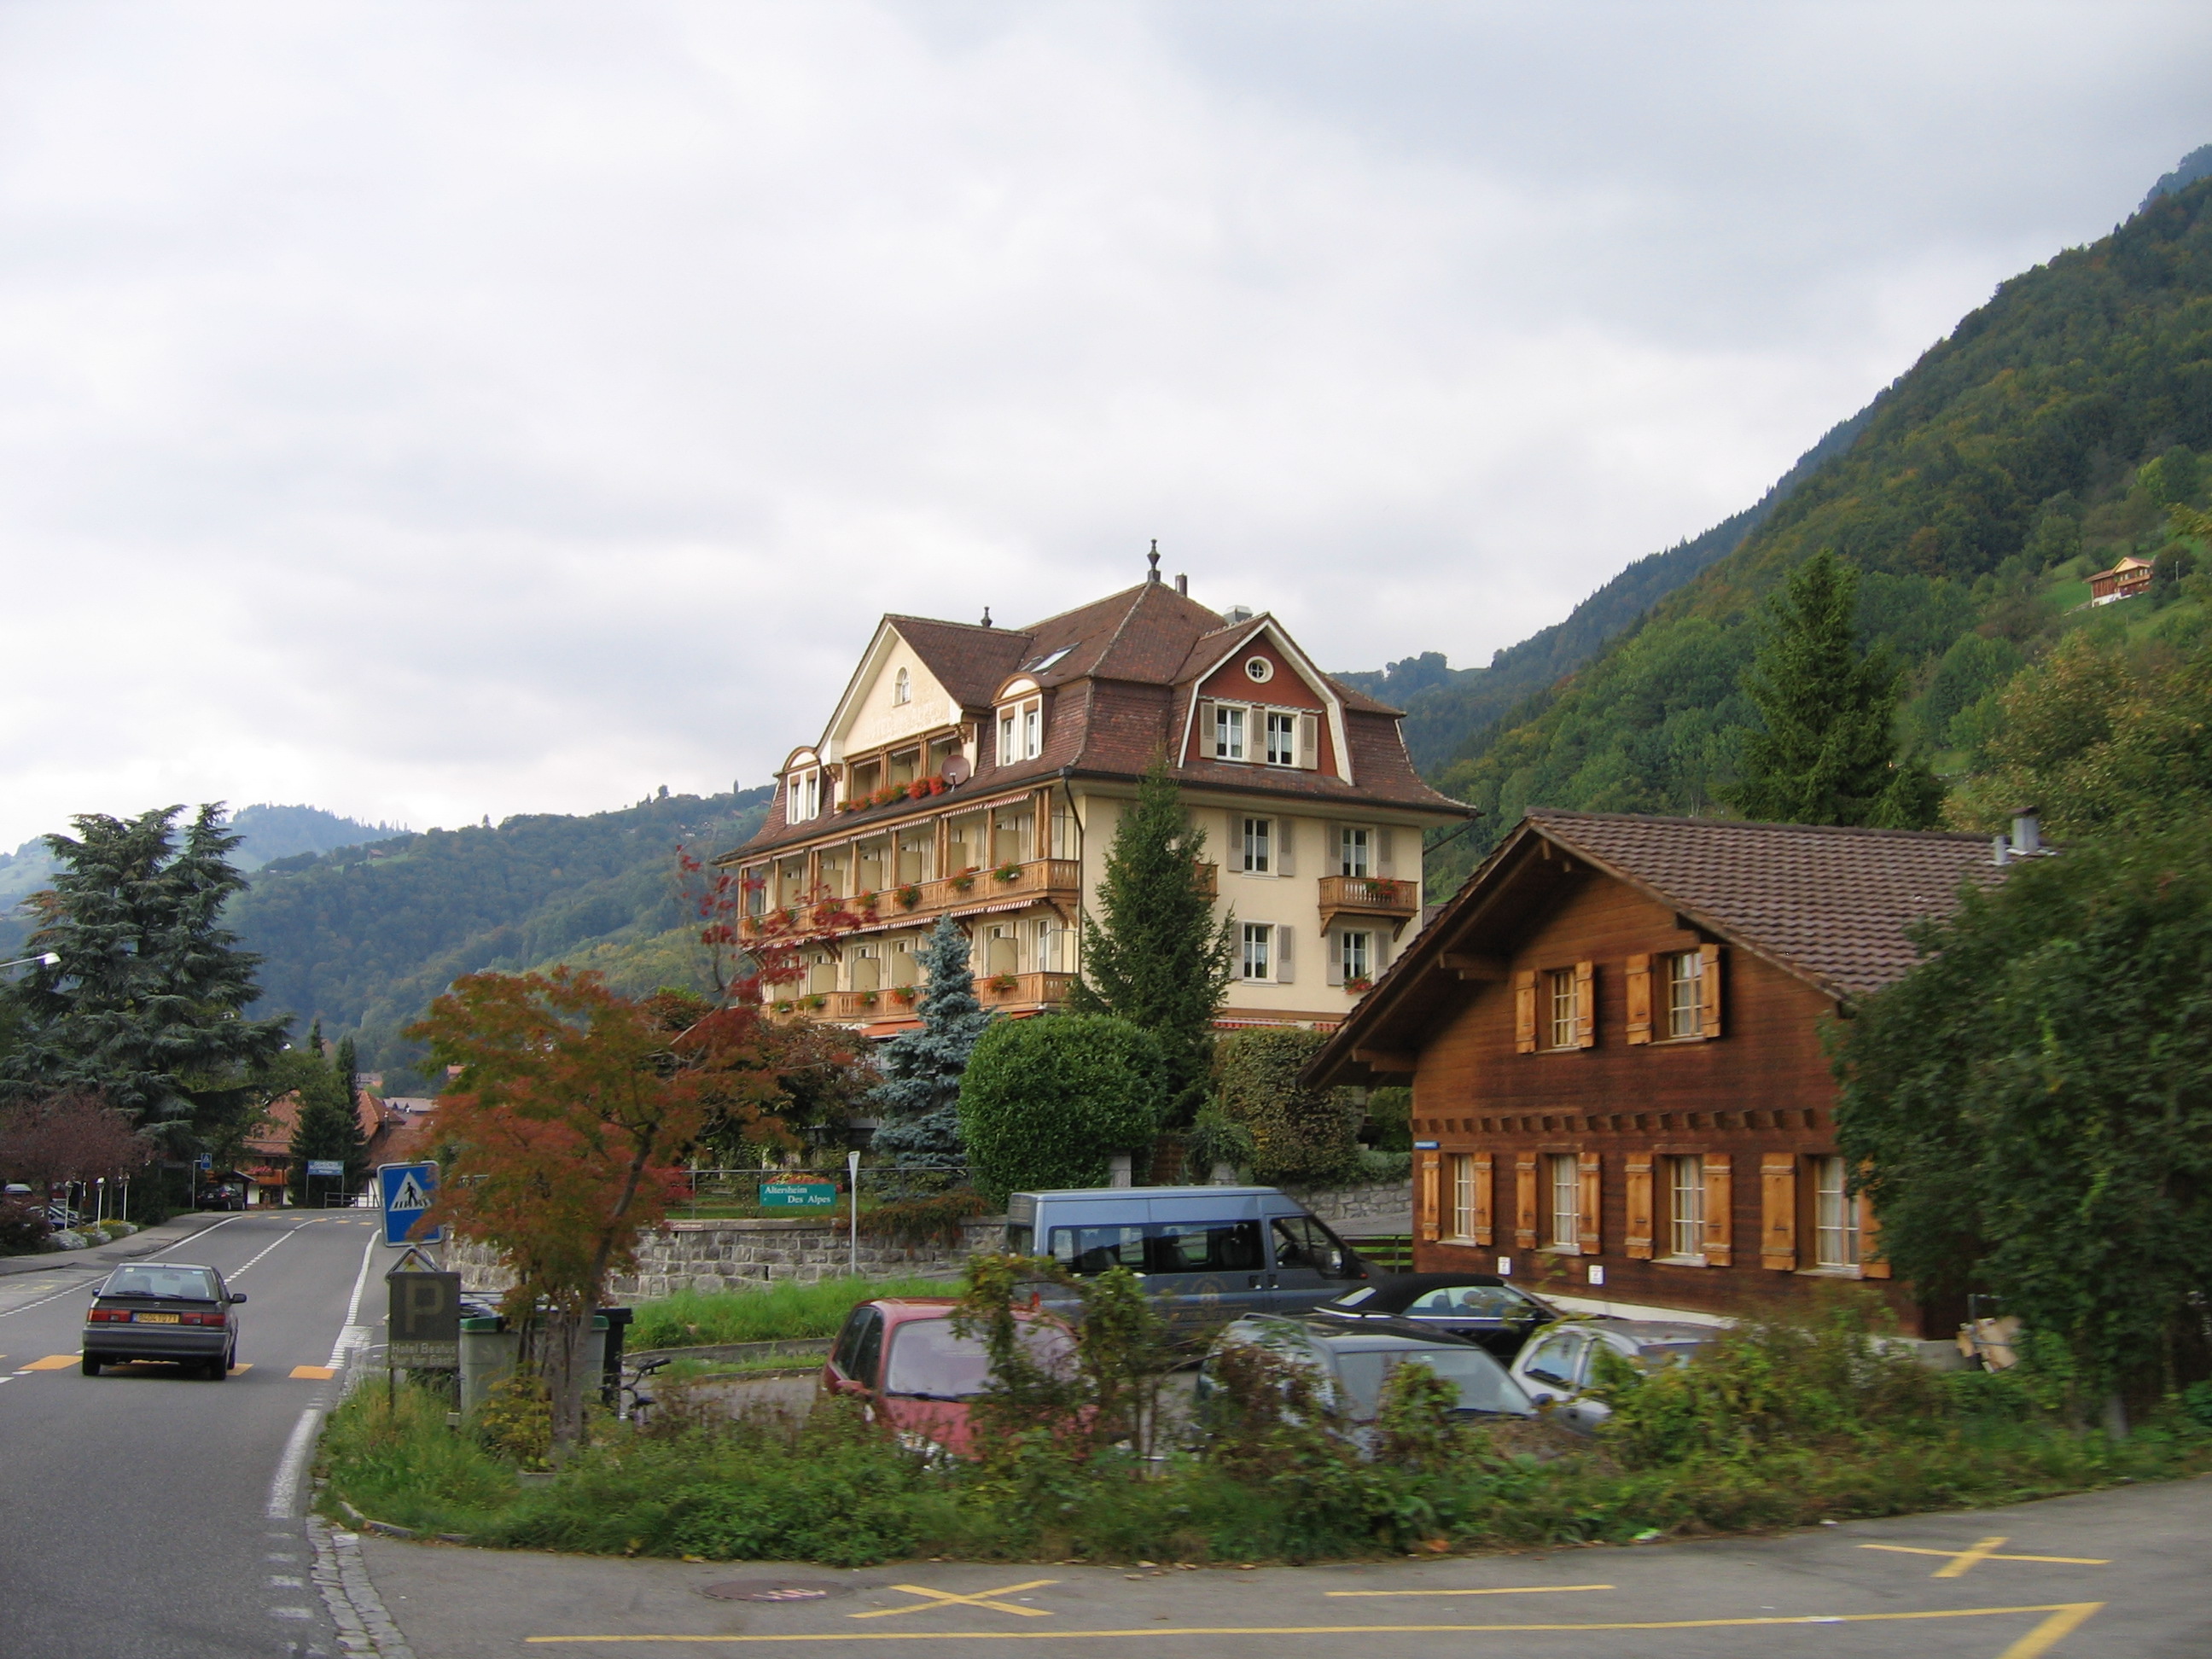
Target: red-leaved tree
(72, 1136)
(571, 1114)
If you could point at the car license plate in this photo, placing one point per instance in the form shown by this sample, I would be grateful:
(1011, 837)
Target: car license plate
(155, 1319)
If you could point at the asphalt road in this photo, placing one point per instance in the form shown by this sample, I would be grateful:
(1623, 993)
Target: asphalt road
(158, 1516)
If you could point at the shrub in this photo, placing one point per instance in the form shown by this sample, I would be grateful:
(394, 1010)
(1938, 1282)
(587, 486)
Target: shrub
(1048, 1103)
(1302, 1136)
(23, 1227)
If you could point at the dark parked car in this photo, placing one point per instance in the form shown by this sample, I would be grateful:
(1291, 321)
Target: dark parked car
(1480, 1307)
(163, 1310)
(1351, 1361)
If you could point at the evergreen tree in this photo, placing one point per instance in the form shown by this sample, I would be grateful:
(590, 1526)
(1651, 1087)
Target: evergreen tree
(147, 1004)
(921, 1093)
(327, 1126)
(1826, 751)
(348, 1066)
(1155, 956)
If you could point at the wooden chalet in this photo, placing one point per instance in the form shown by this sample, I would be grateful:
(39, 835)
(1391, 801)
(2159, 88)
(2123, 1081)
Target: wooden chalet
(2130, 577)
(1613, 1033)
(978, 772)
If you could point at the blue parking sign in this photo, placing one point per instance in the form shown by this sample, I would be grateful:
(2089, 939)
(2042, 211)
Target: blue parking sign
(408, 1190)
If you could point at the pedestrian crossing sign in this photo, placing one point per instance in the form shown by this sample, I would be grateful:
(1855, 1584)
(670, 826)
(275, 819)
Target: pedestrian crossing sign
(408, 1191)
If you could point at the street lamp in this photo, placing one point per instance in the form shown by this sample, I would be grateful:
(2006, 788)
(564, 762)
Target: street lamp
(49, 958)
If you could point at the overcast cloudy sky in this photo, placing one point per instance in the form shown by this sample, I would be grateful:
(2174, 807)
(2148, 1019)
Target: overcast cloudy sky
(430, 411)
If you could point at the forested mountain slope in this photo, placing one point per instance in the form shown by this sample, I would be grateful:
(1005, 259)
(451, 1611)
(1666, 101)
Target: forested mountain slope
(2017, 455)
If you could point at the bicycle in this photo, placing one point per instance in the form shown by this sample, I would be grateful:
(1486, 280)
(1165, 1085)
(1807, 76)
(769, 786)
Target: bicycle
(635, 1402)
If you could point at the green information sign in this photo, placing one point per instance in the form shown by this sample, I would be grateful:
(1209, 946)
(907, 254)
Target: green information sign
(798, 1195)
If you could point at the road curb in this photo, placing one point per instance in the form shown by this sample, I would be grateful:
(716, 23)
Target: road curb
(365, 1626)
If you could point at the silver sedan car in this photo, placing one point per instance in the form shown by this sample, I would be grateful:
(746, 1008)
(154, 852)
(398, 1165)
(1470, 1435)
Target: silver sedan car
(168, 1310)
(1559, 1364)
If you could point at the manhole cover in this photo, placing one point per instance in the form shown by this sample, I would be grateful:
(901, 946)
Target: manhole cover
(773, 1590)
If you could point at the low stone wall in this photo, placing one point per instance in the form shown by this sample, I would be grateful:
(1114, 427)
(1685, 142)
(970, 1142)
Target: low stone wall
(1344, 1208)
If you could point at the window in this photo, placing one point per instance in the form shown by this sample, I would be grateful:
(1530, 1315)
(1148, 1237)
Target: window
(1056, 951)
(1356, 956)
(1002, 950)
(1227, 732)
(805, 796)
(902, 687)
(1259, 844)
(1562, 1013)
(1835, 1216)
(1557, 1360)
(1063, 833)
(1259, 669)
(1258, 960)
(1303, 1242)
(1563, 1181)
(903, 969)
(755, 886)
(1353, 848)
(1462, 1199)
(1032, 730)
(1282, 739)
(1685, 1207)
(1021, 731)
(1686, 995)
(1162, 1247)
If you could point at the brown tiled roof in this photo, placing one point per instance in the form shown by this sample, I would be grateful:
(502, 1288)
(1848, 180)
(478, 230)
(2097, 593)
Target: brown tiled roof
(970, 661)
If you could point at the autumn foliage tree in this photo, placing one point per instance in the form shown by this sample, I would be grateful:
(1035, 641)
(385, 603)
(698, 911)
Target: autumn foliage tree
(570, 1116)
(72, 1136)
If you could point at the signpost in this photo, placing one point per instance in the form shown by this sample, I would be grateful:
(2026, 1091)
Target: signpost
(425, 1321)
(798, 1195)
(408, 1191)
(327, 1166)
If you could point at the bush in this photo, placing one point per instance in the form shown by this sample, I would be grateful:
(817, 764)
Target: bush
(1048, 1103)
(1300, 1136)
(23, 1227)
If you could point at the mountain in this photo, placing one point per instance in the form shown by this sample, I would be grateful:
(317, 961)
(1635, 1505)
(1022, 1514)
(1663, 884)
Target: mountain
(363, 937)
(2043, 438)
(1448, 708)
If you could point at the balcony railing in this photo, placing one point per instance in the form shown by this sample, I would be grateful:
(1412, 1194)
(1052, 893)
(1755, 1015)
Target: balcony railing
(1037, 990)
(1369, 895)
(1048, 880)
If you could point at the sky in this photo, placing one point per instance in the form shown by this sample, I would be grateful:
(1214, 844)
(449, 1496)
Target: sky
(428, 411)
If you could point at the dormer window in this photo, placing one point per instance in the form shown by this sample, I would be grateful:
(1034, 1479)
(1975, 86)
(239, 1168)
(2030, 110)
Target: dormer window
(1227, 732)
(902, 687)
(1045, 662)
(1021, 731)
(804, 797)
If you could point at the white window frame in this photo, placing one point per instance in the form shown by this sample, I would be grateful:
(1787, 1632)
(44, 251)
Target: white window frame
(1355, 850)
(803, 796)
(1562, 1175)
(1258, 850)
(1229, 723)
(1686, 1206)
(1686, 995)
(1355, 954)
(902, 687)
(1257, 951)
(1021, 731)
(1282, 738)
(1563, 1008)
(1835, 1217)
(1462, 1200)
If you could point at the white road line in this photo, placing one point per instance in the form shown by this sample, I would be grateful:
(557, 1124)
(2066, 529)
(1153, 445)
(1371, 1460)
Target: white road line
(355, 1334)
(285, 1489)
(265, 1248)
(195, 1237)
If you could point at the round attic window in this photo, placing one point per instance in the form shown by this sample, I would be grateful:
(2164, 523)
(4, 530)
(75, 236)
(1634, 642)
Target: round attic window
(1259, 669)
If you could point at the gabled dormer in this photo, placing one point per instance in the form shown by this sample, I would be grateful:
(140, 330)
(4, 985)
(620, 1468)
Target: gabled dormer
(1258, 701)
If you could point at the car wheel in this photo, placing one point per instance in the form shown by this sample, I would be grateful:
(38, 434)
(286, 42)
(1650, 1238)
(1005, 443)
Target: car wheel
(218, 1369)
(92, 1364)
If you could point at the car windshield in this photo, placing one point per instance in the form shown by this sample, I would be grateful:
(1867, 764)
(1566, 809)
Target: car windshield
(1483, 1384)
(1679, 1352)
(927, 1358)
(186, 1284)
(1473, 1302)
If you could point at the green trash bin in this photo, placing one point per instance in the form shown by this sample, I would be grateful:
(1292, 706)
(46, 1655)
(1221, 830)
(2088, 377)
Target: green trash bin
(489, 1349)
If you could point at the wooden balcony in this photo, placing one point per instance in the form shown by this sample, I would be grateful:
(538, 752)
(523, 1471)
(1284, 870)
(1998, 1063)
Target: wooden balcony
(1057, 882)
(1025, 990)
(1397, 902)
(860, 1007)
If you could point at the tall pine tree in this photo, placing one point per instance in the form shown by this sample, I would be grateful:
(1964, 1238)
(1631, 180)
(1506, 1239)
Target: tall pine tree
(922, 1067)
(1826, 751)
(327, 1127)
(147, 1004)
(1154, 955)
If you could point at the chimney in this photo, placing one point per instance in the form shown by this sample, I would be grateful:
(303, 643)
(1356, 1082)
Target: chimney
(1182, 586)
(1998, 848)
(1153, 560)
(985, 623)
(2026, 833)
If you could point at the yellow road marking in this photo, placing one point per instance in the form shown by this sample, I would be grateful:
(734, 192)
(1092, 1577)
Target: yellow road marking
(1962, 1562)
(2064, 1617)
(1510, 1589)
(53, 1362)
(313, 1373)
(945, 1599)
(240, 1371)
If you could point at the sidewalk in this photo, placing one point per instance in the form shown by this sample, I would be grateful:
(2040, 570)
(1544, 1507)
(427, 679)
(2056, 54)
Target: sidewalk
(174, 1230)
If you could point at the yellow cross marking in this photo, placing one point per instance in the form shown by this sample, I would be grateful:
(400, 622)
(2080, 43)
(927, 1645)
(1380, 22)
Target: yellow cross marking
(52, 1362)
(1959, 1563)
(945, 1599)
(313, 1373)
(1510, 1589)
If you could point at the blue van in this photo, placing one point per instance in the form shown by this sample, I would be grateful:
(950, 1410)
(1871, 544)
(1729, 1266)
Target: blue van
(1209, 1254)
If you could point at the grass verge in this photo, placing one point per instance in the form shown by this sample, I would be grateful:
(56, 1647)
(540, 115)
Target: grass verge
(785, 1310)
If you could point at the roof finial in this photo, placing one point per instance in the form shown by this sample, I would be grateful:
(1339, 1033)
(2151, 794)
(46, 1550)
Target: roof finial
(1153, 559)
(986, 616)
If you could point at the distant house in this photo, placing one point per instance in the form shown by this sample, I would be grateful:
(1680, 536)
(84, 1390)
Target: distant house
(2130, 577)
(1614, 1037)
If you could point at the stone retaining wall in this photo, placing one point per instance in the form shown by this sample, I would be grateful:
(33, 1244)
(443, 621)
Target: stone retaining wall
(1343, 1207)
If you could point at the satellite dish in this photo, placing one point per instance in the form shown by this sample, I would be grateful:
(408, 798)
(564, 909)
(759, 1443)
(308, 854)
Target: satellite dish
(956, 770)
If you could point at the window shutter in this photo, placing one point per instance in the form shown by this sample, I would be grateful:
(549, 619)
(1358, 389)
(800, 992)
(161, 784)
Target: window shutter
(1205, 724)
(1425, 1219)
(1719, 1196)
(1872, 1263)
(1778, 1203)
(1639, 998)
(1308, 742)
(1484, 1230)
(1524, 1012)
(1585, 1004)
(1385, 842)
(1524, 1199)
(1590, 1198)
(1637, 1240)
(1282, 955)
(1286, 841)
(1709, 982)
(1332, 959)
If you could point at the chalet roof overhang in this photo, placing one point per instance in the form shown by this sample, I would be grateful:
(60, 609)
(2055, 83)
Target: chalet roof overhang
(885, 639)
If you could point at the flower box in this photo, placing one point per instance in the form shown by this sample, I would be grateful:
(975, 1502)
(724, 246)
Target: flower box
(1001, 983)
(1357, 986)
(963, 882)
(909, 896)
(818, 1001)
(903, 993)
(1008, 872)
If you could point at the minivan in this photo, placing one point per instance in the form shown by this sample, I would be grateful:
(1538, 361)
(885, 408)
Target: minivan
(1210, 1255)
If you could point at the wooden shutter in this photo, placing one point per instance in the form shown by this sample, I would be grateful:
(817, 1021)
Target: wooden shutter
(1637, 1240)
(1205, 722)
(1720, 1184)
(1283, 962)
(1308, 742)
(1286, 843)
(1425, 1194)
(1639, 983)
(1585, 1004)
(1332, 959)
(1589, 1197)
(1872, 1264)
(1524, 1199)
(1484, 1230)
(1777, 1204)
(1385, 865)
(1709, 983)
(1524, 1012)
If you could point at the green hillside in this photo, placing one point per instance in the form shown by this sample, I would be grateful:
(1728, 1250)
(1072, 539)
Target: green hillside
(2041, 440)
(362, 937)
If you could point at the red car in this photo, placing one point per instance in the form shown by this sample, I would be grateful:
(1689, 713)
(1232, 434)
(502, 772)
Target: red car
(900, 1354)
